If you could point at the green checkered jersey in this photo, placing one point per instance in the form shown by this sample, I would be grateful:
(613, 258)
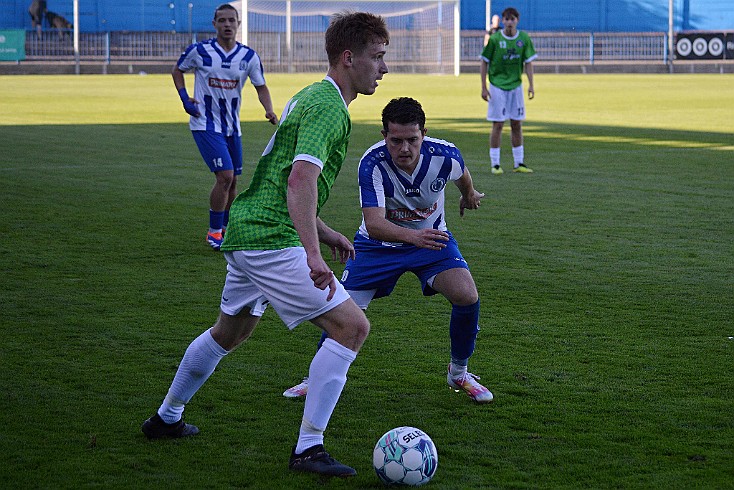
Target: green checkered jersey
(507, 57)
(315, 126)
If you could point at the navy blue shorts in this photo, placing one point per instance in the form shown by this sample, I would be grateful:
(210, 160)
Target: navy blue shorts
(379, 267)
(220, 152)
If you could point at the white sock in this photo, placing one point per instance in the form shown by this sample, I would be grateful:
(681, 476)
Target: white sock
(494, 156)
(198, 363)
(518, 154)
(326, 378)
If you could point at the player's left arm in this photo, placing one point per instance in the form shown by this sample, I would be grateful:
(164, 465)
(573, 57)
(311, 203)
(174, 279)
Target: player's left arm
(335, 241)
(470, 197)
(529, 73)
(263, 94)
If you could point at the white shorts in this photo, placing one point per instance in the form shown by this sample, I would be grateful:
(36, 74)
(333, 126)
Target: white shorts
(279, 277)
(505, 104)
(362, 297)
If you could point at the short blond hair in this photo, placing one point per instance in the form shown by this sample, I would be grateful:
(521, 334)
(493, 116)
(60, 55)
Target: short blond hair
(354, 31)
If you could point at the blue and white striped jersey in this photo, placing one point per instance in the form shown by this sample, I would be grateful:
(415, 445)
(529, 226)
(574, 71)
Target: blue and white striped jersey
(219, 78)
(413, 201)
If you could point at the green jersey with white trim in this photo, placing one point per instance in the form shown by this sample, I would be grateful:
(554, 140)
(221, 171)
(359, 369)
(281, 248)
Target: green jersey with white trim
(315, 127)
(507, 57)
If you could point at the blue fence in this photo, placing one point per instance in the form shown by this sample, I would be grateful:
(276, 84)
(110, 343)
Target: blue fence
(536, 15)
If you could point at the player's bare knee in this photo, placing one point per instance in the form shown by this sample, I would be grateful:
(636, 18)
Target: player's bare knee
(225, 180)
(351, 333)
(465, 297)
(230, 331)
(362, 330)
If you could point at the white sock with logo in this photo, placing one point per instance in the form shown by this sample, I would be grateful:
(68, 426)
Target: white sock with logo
(326, 378)
(198, 363)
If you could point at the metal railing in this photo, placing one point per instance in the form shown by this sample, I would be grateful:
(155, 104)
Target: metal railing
(308, 55)
(587, 47)
(109, 47)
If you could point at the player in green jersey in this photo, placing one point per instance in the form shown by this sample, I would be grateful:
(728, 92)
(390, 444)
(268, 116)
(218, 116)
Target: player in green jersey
(503, 59)
(272, 245)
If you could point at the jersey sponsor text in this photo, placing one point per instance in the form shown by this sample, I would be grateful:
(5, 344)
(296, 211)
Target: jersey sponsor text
(223, 83)
(410, 214)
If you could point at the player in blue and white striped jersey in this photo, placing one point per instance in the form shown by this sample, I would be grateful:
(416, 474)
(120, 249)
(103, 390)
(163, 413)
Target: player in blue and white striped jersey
(411, 192)
(401, 182)
(221, 68)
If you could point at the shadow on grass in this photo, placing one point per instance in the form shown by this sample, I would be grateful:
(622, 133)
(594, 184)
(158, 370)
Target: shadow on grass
(164, 145)
(591, 133)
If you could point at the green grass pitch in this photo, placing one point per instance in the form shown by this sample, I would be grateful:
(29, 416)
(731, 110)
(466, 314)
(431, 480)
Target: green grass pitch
(606, 280)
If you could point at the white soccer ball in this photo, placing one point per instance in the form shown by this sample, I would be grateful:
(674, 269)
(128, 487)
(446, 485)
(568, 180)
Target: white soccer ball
(405, 456)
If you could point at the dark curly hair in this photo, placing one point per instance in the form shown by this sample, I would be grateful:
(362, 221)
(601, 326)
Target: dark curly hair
(403, 110)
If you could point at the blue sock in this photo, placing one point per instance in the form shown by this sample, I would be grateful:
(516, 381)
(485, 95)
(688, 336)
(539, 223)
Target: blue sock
(225, 221)
(324, 336)
(215, 219)
(463, 331)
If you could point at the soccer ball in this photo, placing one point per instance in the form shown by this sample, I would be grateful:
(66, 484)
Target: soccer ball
(405, 456)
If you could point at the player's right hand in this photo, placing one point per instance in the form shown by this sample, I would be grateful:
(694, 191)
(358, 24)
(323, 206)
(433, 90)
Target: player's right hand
(322, 276)
(189, 103)
(431, 239)
(485, 94)
(191, 108)
(272, 117)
